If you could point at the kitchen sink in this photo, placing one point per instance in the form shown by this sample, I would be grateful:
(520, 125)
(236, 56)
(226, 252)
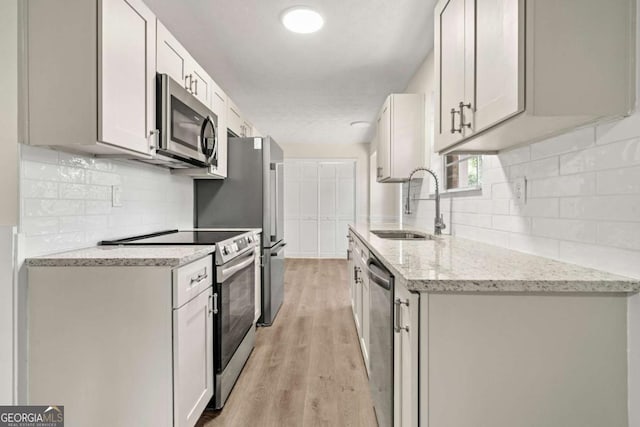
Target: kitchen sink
(402, 235)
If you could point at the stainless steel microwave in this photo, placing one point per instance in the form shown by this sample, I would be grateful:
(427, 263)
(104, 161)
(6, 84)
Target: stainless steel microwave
(188, 129)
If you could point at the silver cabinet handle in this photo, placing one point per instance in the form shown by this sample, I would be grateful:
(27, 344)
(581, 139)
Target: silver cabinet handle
(215, 303)
(379, 171)
(199, 278)
(453, 122)
(154, 133)
(462, 106)
(398, 303)
(190, 87)
(209, 304)
(196, 80)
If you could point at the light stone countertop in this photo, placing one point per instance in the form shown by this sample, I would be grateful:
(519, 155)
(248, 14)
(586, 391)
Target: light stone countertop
(451, 264)
(131, 256)
(124, 256)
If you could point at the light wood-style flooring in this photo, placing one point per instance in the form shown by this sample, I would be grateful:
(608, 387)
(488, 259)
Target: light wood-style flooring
(306, 369)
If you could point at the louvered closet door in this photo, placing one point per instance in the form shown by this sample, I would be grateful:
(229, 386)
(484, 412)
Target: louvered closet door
(319, 205)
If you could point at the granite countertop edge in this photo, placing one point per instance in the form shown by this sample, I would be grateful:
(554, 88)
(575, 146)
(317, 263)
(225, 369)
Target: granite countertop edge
(81, 258)
(615, 285)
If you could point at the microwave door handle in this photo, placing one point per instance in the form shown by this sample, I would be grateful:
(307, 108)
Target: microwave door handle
(204, 146)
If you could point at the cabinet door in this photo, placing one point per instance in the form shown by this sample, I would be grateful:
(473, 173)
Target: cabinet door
(234, 118)
(219, 107)
(200, 83)
(127, 70)
(405, 358)
(499, 79)
(192, 359)
(450, 70)
(172, 57)
(384, 142)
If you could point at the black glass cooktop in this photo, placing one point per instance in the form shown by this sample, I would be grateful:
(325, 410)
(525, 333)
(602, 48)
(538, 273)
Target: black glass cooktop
(175, 237)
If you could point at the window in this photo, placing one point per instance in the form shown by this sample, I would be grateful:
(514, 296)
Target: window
(462, 171)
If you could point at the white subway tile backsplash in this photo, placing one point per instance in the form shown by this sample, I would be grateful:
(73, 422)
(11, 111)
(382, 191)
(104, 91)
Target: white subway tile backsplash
(33, 189)
(486, 235)
(534, 245)
(583, 199)
(565, 229)
(573, 141)
(542, 207)
(619, 181)
(40, 225)
(605, 208)
(52, 207)
(571, 185)
(475, 220)
(535, 169)
(514, 224)
(66, 200)
(103, 178)
(625, 235)
(97, 207)
(619, 154)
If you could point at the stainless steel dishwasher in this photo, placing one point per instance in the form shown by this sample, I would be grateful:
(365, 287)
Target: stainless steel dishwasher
(381, 341)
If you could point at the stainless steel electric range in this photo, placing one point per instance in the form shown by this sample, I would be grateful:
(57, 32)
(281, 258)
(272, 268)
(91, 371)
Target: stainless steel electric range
(233, 295)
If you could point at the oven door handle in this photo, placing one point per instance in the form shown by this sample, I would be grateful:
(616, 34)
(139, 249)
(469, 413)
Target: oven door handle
(226, 273)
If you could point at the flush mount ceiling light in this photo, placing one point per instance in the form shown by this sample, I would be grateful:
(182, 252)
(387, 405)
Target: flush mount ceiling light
(302, 20)
(360, 124)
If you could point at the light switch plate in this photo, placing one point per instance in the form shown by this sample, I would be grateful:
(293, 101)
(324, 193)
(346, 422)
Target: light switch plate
(116, 195)
(519, 187)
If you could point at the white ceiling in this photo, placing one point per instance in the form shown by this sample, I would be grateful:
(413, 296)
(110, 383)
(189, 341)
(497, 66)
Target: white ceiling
(305, 88)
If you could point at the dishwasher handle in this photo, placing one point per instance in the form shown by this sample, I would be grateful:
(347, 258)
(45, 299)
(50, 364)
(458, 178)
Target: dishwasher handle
(379, 275)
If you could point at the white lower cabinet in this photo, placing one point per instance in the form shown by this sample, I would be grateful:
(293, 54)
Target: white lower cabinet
(192, 359)
(359, 290)
(138, 337)
(405, 357)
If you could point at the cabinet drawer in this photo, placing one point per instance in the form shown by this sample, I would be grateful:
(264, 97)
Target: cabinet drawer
(191, 279)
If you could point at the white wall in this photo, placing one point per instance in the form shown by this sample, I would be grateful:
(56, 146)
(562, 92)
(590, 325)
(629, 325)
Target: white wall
(583, 205)
(66, 200)
(359, 152)
(8, 193)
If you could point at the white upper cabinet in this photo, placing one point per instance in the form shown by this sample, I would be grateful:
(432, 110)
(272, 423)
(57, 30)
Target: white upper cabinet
(172, 57)
(510, 72)
(237, 122)
(175, 61)
(91, 81)
(400, 137)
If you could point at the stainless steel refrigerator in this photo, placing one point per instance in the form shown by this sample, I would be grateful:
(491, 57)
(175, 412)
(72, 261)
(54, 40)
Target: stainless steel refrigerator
(251, 197)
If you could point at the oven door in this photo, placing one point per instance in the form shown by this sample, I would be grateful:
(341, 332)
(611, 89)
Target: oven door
(235, 306)
(188, 129)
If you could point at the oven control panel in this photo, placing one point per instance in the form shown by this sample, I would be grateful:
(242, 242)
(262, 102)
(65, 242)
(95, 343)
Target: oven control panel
(229, 249)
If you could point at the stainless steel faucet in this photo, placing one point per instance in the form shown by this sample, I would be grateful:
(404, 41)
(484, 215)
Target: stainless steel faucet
(438, 224)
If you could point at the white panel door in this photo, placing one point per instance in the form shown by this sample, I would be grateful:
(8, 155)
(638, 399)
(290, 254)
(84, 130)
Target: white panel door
(327, 238)
(319, 205)
(308, 246)
(127, 67)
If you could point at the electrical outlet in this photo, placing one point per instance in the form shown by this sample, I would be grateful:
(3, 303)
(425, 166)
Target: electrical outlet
(116, 195)
(520, 190)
